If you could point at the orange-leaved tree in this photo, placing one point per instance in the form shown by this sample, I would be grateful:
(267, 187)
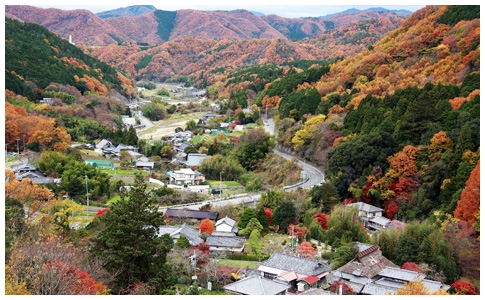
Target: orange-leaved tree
(418, 288)
(31, 195)
(206, 226)
(469, 204)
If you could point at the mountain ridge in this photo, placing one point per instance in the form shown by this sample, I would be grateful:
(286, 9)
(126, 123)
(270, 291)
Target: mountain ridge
(90, 29)
(129, 11)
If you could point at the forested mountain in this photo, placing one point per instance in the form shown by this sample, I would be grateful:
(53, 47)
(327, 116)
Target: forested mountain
(39, 64)
(159, 26)
(199, 57)
(35, 57)
(403, 122)
(130, 11)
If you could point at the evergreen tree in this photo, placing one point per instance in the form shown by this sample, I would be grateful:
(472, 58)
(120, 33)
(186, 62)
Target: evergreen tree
(183, 243)
(129, 241)
(263, 220)
(465, 142)
(407, 249)
(253, 224)
(284, 215)
(247, 215)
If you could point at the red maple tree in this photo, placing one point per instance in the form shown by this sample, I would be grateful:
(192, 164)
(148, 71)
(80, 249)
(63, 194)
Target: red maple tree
(464, 288)
(469, 204)
(306, 250)
(411, 267)
(322, 219)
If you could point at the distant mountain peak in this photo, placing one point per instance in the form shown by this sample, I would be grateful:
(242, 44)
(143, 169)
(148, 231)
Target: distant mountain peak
(354, 10)
(130, 11)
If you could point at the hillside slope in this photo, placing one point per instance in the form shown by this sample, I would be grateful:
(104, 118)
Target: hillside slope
(421, 50)
(35, 55)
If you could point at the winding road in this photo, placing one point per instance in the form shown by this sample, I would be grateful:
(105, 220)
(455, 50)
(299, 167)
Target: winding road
(314, 175)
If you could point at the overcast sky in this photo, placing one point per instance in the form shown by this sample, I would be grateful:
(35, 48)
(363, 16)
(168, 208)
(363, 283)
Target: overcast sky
(284, 8)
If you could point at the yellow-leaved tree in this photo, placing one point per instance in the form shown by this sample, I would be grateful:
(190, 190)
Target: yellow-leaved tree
(309, 128)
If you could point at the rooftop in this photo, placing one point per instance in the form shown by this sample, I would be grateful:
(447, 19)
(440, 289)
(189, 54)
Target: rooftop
(195, 159)
(192, 214)
(400, 274)
(300, 265)
(225, 241)
(226, 220)
(366, 207)
(256, 285)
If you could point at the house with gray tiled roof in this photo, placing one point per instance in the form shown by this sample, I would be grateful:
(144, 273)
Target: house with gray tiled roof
(192, 234)
(226, 243)
(187, 214)
(368, 262)
(256, 285)
(279, 263)
(226, 224)
(370, 273)
(24, 168)
(195, 159)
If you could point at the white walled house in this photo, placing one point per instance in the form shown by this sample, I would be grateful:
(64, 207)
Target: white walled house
(182, 176)
(227, 225)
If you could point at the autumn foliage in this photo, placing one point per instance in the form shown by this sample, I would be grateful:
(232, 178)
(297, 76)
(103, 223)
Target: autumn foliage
(346, 290)
(464, 288)
(206, 226)
(37, 129)
(469, 204)
(306, 250)
(31, 195)
(321, 219)
(411, 267)
(418, 288)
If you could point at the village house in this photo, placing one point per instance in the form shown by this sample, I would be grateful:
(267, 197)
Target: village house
(180, 147)
(144, 163)
(226, 225)
(371, 216)
(226, 243)
(191, 214)
(176, 232)
(300, 273)
(256, 285)
(182, 176)
(195, 159)
(29, 171)
(199, 177)
(370, 273)
(102, 145)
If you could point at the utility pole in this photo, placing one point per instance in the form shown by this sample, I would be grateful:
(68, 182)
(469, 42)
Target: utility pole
(23, 136)
(87, 196)
(18, 151)
(220, 185)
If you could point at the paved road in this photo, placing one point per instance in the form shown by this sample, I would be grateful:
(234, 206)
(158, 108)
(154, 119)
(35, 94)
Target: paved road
(145, 121)
(315, 177)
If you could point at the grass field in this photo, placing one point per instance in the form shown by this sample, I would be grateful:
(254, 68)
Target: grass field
(216, 183)
(238, 264)
(124, 172)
